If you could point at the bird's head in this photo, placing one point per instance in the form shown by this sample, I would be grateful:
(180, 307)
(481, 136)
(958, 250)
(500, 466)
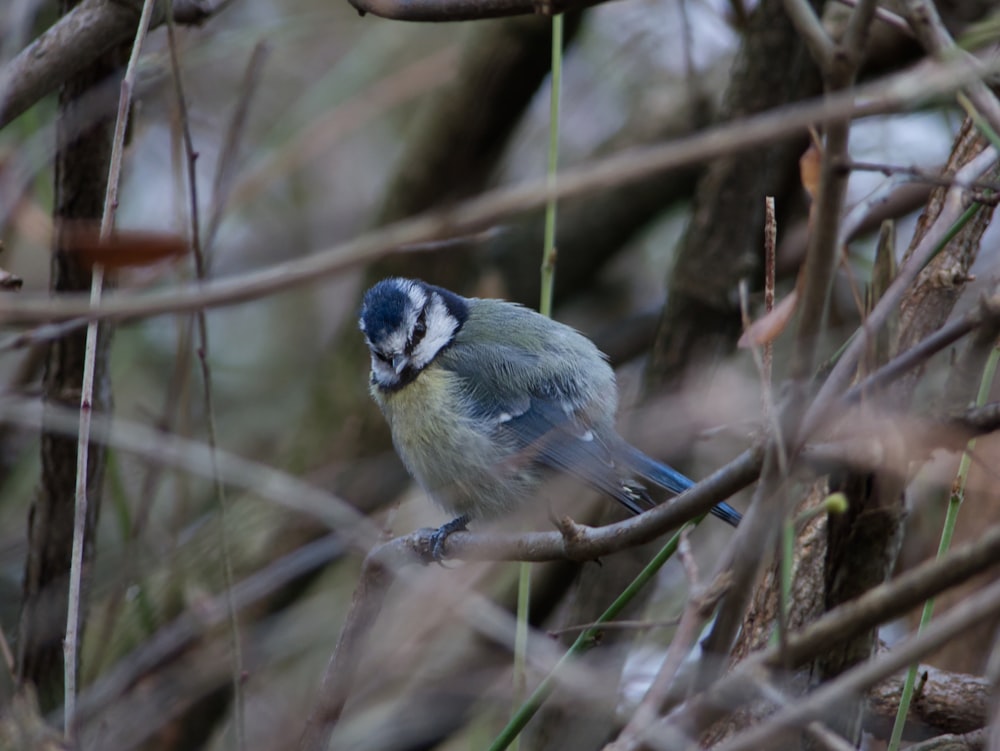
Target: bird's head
(406, 324)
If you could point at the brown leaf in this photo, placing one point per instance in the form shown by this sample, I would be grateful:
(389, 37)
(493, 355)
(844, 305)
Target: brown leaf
(123, 249)
(768, 327)
(810, 164)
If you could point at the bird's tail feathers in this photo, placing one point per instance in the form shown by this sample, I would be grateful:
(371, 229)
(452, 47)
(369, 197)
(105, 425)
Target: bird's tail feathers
(656, 472)
(670, 479)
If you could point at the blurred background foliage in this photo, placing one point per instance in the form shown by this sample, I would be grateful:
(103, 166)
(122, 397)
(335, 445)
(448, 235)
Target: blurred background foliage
(355, 122)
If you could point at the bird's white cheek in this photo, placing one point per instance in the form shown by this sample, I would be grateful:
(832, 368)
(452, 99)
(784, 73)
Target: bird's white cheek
(382, 373)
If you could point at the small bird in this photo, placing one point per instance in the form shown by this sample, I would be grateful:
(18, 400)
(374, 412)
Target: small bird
(482, 394)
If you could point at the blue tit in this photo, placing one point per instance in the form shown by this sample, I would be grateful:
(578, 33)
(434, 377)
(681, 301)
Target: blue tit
(481, 395)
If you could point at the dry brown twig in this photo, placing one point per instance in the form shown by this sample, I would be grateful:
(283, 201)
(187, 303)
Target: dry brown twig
(815, 706)
(887, 95)
(72, 43)
(699, 607)
(73, 619)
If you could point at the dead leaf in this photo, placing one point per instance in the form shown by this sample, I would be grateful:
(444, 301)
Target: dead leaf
(123, 249)
(768, 327)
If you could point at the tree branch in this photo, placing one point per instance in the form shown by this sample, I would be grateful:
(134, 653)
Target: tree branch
(74, 42)
(878, 605)
(816, 705)
(888, 95)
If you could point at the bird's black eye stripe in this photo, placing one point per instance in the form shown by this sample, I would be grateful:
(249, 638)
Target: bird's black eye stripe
(419, 329)
(382, 357)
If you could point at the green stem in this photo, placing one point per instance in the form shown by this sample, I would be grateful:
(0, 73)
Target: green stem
(979, 121)
(950, 520)
(521, 637)
(545, 308)
(549, 252)
(585, 640)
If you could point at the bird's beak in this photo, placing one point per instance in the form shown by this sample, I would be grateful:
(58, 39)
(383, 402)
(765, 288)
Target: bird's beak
(399, 362)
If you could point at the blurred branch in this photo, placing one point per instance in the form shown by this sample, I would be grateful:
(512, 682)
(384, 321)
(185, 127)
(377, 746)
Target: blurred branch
(721, 246)
(324, 131)
(377, 574)
(809, 28)
(701, 602)
(890, 442)
(933, 35)
(976, 740)
(176, 452)
(893, 93)
(839, 69)
(936, 289)
(195, 624)
(595, 226)
(816, 705)
(967, 371)
(954, 207)
(453, 145)
(61, 524)
(466, 10)
(876, 606)
(80, 37)
(893, 203)
(208, 395)
(222, 184)
(982, 188)
(946, 703)
(986, 313)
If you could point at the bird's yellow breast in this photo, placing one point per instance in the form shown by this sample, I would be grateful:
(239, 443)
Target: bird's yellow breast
(445, 448)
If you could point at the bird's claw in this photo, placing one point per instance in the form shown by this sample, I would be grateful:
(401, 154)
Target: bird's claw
(442, 533)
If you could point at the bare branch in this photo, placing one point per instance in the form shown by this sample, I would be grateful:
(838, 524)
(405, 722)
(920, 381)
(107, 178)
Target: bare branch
(946, 703)
(932, 34)
(846, 366)
(950, 625)
(877, 605)
(888, 95)
(466, 10)
(78, 38)
(811, 29)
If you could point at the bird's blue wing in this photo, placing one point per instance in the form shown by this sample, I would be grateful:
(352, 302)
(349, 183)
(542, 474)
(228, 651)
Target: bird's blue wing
(670, 479)
(541, 422)
(560, 440)
(544, 422)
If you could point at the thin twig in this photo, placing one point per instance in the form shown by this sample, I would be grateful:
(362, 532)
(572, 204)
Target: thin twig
(888, 95)
(700, 604)
(963, 616)
(920, 175)
(839, 69)
(845, 369)
(876, 606)
(8, 655)
(825, 737)
(222, 184)
(71, 44)
(934, 36)
(70, 646)
(987, 311)
(206, 373)
(810, 28)
(210, 613)
(887, 17)
(770, 249)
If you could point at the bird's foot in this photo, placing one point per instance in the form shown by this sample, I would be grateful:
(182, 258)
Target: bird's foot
(459, 524)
